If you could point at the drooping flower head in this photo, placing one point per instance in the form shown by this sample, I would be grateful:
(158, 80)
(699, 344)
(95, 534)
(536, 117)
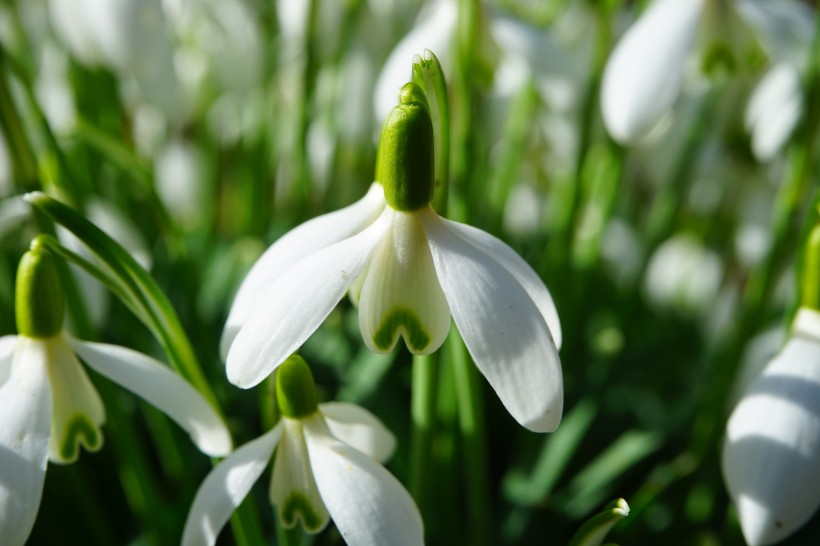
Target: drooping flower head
(408, 270)
(48, 405)
(326, 465)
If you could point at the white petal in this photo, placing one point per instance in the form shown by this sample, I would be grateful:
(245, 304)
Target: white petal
(502, 328)
(368, 505)
(25, 407)
(518, 268)
(77, 410)
(359, 428)
(292, 489)
(771, 458)
(435, 32)
(225, 488)
(774, 110)
(7, 346)
(401, 295)
(296, 304)
(295, 245)
(644, 73)
(161, 387)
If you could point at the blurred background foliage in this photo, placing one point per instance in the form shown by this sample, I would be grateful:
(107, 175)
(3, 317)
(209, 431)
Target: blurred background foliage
(196, 132)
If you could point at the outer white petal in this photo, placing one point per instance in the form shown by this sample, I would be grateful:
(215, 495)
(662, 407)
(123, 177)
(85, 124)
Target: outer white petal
(359, 428)
(518, 268)
(78, 413)
(368, 505)
(225, 488)
(7, 346)
(774, 110)
(771, 458)
(292, 488)
(434, 32)
(643, 75)
(161, 387)
(25, 426)
(401, 295)
(296, 304)
(295, 245)
(502, 328)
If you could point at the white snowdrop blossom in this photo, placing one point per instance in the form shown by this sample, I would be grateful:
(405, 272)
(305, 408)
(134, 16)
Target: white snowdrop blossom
(771, 455)
(645, 73)
(327, 465)
(49, 407)
(409, 271)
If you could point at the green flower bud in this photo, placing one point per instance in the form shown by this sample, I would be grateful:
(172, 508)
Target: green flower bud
(39, 302)
(406, 165)
(295, 389)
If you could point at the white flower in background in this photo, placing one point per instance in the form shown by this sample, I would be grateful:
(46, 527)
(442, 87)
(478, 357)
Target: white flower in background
(327, 465)
(49, 407)
(128, 36)
(774, 109)
(683, 274)
(771, 454)
(409, 271)
(645, 73)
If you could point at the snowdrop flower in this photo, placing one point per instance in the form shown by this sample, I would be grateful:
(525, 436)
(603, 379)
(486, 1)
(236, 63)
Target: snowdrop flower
(645, 73)
(774, 109)
(409, 271)
(771, 456)
(327, 466)
(49, 407)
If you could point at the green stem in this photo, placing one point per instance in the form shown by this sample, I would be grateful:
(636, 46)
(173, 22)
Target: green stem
(810, 293)
(474, 448)
(423, 409)
(23, 157)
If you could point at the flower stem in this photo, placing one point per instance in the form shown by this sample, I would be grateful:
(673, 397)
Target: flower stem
(23, 157)
(810, 292)
(471, 425)
(423, 409)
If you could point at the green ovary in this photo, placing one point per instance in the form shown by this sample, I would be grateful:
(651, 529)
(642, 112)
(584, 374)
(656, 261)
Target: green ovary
(79, 431)
(297, 506)
(411, 329)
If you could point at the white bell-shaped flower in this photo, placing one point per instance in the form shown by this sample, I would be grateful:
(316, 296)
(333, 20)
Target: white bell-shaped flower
(327, 465)
(771, 455)
(409, 271)
(49, 407)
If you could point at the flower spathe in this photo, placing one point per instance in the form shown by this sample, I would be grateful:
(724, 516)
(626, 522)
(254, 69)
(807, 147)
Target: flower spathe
(409, 271)
(49, 407)
(771, 455)
(326, 465)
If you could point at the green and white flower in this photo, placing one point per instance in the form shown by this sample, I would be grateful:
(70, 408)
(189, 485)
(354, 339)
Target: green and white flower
(49, 407)
(409, 271)
(327, 465)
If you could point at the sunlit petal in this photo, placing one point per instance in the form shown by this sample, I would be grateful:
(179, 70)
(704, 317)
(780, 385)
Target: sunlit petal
(501, 326)
(295, 245)
(293, 489)
(401, 295)
(7, 346)
(25, 406)
(78, 412)
(359, 428)
(774, 110)
(297, 303)
(225, 488)
(161, 387)
(771, 458)
(644, 73)
(518, 268)
(368, 505)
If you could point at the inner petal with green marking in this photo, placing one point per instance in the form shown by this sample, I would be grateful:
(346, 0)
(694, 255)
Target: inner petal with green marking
(401, 295)
(293, 489)
(77, 411)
